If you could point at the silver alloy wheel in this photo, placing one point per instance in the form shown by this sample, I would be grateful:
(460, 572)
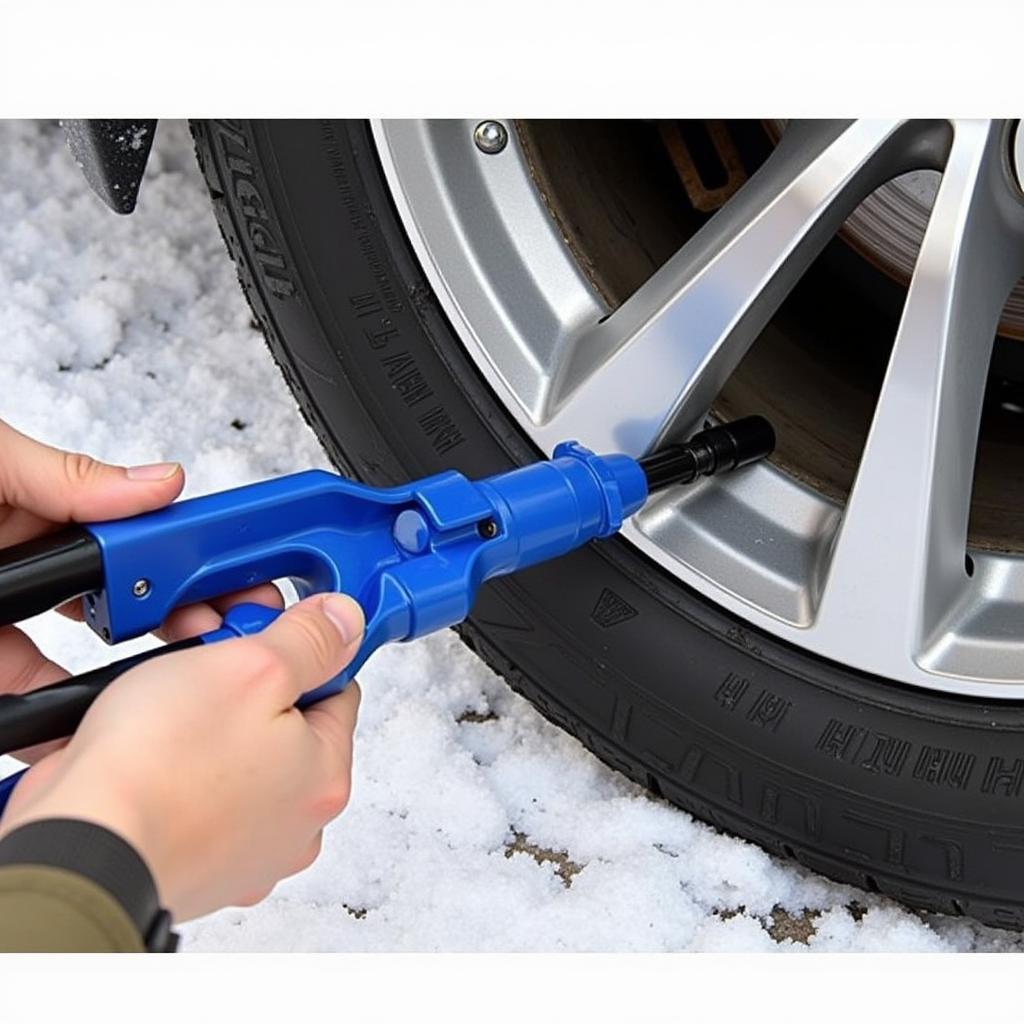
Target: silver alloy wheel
(879, 585)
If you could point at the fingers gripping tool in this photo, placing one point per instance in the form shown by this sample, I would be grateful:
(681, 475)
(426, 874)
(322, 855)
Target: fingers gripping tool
(413, 556)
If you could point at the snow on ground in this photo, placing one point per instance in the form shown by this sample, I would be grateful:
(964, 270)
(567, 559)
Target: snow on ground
(474, 823)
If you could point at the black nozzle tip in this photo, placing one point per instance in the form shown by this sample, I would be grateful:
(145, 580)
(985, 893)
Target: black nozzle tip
(750, 439)
(712, 451)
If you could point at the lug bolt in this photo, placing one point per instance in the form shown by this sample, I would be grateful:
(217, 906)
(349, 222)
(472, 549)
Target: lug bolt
(140, 588)
(490, 137)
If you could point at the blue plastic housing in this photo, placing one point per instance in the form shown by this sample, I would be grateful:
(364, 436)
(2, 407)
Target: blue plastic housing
(414, 556)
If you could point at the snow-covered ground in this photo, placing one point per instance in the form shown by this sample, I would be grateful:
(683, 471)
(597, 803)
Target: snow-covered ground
(474, 824)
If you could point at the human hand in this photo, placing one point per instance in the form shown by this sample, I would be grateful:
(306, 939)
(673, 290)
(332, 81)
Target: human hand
(201, 761)
(42, 488)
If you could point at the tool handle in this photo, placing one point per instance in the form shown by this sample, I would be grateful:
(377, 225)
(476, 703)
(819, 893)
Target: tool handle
(42, 573)
(53, 712)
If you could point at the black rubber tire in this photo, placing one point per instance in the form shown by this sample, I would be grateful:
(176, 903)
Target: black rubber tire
(892, 789)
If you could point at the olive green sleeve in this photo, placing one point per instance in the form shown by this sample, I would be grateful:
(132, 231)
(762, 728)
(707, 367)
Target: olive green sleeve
(68, 885)
(51, 910)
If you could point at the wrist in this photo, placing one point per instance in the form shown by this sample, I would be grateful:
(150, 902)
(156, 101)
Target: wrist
(103, 860)
(97, 806)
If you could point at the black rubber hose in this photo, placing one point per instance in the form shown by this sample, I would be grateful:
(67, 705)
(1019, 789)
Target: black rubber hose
(40, 574)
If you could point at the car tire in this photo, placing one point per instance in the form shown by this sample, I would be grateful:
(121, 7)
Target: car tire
(894, 789)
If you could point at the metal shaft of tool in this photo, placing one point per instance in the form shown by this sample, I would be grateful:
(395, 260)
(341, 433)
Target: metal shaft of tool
(712, 451)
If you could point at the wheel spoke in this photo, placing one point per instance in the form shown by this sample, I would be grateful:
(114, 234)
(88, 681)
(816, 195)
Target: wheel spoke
(653, 368)
(897, 568)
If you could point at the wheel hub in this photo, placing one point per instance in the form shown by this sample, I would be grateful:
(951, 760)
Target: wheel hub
(871, 573)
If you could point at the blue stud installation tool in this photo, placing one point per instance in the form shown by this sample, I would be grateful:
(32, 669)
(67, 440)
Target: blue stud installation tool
(413, 556)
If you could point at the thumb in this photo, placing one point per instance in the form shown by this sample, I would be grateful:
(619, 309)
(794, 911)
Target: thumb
(314, 640)
(68, 487)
